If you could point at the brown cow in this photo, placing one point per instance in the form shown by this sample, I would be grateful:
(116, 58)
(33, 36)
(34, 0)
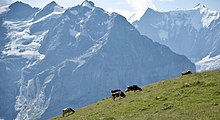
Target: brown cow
(186, 72)
(67, 110)
(118, 94)
(133, 88)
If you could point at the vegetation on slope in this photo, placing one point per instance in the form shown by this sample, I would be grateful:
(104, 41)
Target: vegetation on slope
(195, 96)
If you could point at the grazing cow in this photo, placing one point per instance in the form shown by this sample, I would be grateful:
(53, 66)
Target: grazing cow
(133, 88)
(116, 90)
(186, 72)
(67, 110)
(118, 94)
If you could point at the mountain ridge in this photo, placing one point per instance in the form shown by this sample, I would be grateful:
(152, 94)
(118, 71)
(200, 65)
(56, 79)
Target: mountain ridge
(192, 32)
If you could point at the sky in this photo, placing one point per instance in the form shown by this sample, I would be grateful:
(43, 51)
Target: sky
(127, 7)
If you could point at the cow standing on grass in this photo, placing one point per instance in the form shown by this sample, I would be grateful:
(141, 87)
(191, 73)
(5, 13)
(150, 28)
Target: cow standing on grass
(186, 72)
(133, 88)
(117, 93)
(116, 90)
(67, 110)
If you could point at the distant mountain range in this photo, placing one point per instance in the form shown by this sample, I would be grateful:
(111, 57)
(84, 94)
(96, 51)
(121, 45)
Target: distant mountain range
(194, 33)
(52, 58)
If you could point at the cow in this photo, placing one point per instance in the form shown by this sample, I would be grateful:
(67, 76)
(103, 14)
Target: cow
(118, 94)
(116, 90)
(67, 110)
(186, 72)
(133, 88)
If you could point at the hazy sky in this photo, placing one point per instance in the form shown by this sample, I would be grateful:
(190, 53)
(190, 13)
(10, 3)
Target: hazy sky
(128, 7)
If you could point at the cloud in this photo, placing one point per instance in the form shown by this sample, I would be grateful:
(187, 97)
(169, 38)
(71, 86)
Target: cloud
(125, 13)
(138, 5)
(166, 0)
(5, 2)
(119, 3)
(138, 8)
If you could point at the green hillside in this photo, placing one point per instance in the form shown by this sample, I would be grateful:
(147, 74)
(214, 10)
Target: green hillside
(195, 96)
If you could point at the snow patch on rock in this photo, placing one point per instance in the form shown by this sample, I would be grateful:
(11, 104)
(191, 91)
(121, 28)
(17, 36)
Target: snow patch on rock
(163, 34)
(88, 4)
(4, 9)
(22, 42)
(208, 63)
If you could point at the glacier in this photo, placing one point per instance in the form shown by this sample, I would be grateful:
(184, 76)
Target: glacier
(193, 32)
(208, 63)
(52, 58)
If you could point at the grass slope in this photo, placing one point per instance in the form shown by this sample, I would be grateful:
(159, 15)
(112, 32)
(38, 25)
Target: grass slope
(195, 96)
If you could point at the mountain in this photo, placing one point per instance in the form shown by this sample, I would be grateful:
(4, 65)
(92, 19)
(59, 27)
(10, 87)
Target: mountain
(165, 100)
(48, 9)
(194, 33)
(73, 57)
(19, 10)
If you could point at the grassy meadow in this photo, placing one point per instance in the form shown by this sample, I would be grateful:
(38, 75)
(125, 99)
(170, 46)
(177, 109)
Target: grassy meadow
(190, 97)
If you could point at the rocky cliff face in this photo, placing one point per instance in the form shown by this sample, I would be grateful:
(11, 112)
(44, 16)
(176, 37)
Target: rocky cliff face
(193, 33)
(73, 58)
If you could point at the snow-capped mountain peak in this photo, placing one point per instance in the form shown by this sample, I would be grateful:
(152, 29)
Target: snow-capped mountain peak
(199, 6)
(22, 10)
(52, 7)
(205, 15)
(138, 14)
(88, 4)
(192, 32)
(19, 4)
(52, 4)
